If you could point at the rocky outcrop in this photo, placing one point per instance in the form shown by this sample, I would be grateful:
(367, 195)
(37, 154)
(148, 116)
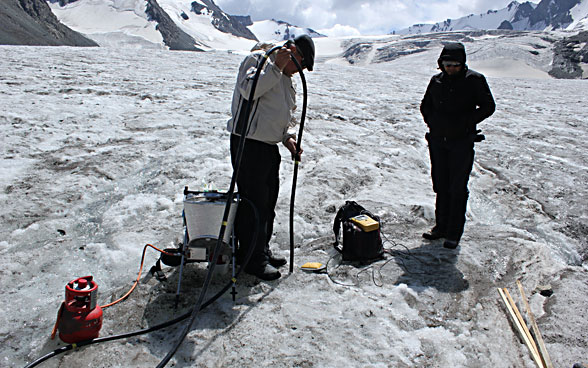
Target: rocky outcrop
(62, 2)
(173, 36)
(555, 14)
(568, 56)
(284, 31)
(291, 31)
(523, 12)
(361, 51)
(357, 52)
(243, 19)
(31, 22)
(222, 21)
(506, 25)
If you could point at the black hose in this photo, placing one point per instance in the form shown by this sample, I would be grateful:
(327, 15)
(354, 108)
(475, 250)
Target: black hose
(122, 336)
(161, 325)
(230, 194)
(296, 162)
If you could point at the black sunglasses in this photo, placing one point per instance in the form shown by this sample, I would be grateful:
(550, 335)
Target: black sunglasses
(450, 64)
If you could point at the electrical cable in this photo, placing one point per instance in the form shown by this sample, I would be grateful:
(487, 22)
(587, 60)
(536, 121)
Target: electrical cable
(407, 254)
(378, 270)
(331, 277)
(356, 276)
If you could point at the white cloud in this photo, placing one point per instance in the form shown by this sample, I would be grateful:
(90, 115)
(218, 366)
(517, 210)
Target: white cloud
(339, 30)
(366, 16)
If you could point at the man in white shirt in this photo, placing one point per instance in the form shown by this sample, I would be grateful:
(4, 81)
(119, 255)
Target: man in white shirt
(271, 122)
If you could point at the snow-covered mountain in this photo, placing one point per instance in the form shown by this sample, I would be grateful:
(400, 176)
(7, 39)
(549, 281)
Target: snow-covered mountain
(547, 15)
(278, 30)
(175, 24)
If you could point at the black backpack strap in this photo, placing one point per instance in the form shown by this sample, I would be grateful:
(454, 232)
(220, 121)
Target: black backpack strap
(343, 214)
(337, 226)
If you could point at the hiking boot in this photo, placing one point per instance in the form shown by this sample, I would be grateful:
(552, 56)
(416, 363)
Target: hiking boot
(434, 234)
(277, 261)
(274, 260)
(266, 272)
(450, 244)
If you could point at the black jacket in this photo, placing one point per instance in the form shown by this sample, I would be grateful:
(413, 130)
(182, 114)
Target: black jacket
(453, 105)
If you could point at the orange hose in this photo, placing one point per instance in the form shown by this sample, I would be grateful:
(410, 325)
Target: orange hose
(138, 277)
(55, 327)
(54, 332)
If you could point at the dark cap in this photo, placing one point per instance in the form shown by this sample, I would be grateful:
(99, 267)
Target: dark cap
(305, 46)
(454, 51)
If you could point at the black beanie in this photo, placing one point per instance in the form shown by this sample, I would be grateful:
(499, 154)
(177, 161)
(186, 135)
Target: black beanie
(453, 52)
(305, 45)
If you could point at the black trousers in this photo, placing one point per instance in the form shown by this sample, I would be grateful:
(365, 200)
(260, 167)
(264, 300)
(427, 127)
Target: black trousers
(258, 182)
(451, 165)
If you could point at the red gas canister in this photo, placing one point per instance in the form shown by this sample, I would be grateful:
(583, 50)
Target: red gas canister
(80, 318)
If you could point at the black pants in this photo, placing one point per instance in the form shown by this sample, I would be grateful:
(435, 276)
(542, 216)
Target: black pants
(258, 182)
(451, 165)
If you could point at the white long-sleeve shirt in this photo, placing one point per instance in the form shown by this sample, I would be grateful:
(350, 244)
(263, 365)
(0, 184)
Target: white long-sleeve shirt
(274, 101)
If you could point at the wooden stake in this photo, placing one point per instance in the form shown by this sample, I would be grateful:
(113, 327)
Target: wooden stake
(525, 335)
(542, 349)
(521, 320)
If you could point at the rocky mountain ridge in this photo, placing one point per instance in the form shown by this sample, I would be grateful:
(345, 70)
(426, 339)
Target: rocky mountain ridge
(222, 21)
(31, 22)
(173, 36)
(560, 56)
(546, 15)
(279, 30)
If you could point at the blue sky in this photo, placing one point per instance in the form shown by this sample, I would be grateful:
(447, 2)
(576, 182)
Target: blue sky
(339, 17)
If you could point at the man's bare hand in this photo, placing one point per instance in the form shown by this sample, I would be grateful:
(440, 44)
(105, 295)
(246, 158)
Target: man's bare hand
(291, 146)
(282, 58)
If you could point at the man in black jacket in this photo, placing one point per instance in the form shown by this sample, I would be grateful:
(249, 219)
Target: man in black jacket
(457, 99)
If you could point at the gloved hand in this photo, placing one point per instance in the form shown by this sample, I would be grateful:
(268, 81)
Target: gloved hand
(479, 137)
